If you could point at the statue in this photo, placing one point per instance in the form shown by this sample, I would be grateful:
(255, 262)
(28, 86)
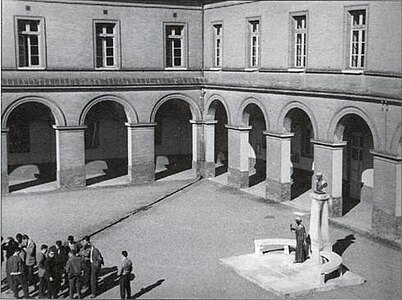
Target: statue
(320, 184)
(302, 241)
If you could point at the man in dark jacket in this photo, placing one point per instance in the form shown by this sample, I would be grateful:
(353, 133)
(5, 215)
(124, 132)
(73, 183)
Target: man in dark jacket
(15, 268)
(96, 259)
(41, 270)
(61, 256)
(74, 269)
(51, 274)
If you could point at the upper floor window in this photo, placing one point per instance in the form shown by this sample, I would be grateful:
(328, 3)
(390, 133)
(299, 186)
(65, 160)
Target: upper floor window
(217, 28)
(30, 43)
(175, 46)
(106, 45)
(299, 41)
(253, 43)
(357, 36)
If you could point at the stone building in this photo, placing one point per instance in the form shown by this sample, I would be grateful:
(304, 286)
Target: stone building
(272, 90)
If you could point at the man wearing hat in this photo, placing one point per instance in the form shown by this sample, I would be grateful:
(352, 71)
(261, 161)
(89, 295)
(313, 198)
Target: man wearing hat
(300, 231)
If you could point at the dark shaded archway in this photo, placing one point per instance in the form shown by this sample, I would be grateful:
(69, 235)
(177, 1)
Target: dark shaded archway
(357, 176)
(31, 146)
(105, 142)
(173, 138)
(302, 151)
(254, 117)
(218, 113)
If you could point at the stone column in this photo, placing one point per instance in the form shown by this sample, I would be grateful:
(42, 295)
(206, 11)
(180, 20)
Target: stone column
(141, 152)
(198, 147)
(328, 160)
(387, 195)
(319, 231)
(238, 174)
(209, 140)
(4, 161)
(70, 156)
(278, 166)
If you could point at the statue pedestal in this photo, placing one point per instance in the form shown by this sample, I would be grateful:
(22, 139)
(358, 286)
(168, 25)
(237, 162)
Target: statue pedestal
(319, 232)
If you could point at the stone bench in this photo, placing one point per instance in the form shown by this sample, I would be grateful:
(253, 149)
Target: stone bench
(261, 246)
(333, 262)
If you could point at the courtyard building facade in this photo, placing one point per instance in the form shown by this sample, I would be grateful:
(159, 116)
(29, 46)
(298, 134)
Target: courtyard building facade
(266, 92)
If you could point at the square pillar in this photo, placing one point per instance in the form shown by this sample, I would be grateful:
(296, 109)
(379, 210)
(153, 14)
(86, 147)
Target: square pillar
(387, 195)
(4, 161)
(198, 157)
(238, 173)
(70, 156)
(328, 160)
(278, 181)
(209, 140)
(141, 152)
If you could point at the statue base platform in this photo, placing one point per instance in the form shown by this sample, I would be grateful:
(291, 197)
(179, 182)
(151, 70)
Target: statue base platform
(276, 272)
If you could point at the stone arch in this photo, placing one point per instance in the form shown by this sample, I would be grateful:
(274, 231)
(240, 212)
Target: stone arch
(194, 108)
(395, 143)
(243, 119)
(305, 109)
(131, 114)
(335, 130)
(210, 112)
(57, 113)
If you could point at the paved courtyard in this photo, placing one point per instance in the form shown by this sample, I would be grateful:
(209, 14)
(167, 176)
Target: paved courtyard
(177, 243)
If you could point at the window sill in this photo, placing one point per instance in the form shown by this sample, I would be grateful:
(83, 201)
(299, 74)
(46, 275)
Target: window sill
(251, 69)
(31, 68)
(176, 69)
(294, 70)
(356, 72)
(108, 69)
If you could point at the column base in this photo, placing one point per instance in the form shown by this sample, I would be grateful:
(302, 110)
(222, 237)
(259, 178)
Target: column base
(238, 179)
(141, 173)
(4, 183)
(198, 168)
(209, 169)
(277, 191)
(385, 224)
(71, 178)
(335, 208)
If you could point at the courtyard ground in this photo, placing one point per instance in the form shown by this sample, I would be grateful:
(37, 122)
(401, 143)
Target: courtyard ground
(176, 244)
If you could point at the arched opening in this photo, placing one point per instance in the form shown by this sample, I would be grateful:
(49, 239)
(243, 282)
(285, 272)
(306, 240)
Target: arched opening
(218, 113)
(105, 142)
(173, 138)
(254, 117)
(357, 176)
(301, 149)
(31, 146)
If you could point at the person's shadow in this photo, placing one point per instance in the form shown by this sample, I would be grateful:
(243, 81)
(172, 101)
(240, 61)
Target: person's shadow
(342, 244)
(145, 290)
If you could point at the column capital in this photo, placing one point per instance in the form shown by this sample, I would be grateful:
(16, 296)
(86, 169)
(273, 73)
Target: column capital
(328, 144)
(238, 128)
(279, 135)
(69, 128)
(139, 125)
(386, 156)
(5, 130)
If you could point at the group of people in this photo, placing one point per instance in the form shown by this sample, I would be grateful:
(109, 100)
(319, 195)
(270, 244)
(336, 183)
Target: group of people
(71, 264)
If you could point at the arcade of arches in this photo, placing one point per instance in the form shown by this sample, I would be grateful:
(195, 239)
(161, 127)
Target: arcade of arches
(108, 144)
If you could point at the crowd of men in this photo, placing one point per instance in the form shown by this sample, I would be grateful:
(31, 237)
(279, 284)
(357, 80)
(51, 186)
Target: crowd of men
(71, 264)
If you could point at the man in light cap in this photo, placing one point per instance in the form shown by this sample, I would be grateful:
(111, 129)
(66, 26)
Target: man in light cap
(300, 231)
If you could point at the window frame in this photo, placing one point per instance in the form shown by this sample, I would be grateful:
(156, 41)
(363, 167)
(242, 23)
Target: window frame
(214, 45)
(41, 42)
(184, 46)
(348, 38)
(292, 39)
(249, 43)
(116, 44)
